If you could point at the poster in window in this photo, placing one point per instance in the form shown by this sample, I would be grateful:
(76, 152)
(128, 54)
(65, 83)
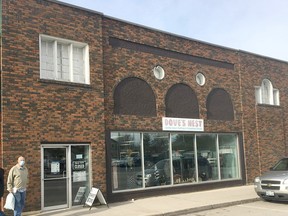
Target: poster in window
(79, 176)
(55, 167)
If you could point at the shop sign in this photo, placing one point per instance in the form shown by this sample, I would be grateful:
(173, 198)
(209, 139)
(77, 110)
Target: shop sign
(182, 124)
(95, 192)
(79, 165)
(80, 194)
(79, 176)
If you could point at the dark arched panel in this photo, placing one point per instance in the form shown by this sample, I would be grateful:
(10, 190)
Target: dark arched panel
(181, 102)
(219, 105)
(134, 96)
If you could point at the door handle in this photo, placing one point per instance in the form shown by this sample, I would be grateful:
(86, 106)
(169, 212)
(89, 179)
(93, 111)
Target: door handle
(64, 174)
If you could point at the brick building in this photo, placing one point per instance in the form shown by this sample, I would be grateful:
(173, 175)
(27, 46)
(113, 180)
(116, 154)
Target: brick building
(91, 100)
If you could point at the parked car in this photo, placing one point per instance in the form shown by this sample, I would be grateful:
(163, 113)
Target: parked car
(154, 175)
(273, 185)
(159, 173)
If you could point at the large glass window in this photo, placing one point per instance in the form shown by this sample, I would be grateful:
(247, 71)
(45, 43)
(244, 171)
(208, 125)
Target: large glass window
(142, 160)
(207, 157)
(228, 154)
(157, 169)
(64, 60)
(183, 155)
(126, 160)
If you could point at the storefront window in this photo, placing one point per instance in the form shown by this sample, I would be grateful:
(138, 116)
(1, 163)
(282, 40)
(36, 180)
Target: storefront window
(126, 160)
(207, 157)
(157, 169)
(183, 154)
(170, 159)
(228, 154)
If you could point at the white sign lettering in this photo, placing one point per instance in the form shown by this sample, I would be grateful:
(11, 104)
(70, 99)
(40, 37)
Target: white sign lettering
(182, 124)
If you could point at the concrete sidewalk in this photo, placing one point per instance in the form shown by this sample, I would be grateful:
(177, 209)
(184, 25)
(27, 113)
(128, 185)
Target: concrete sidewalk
(169, 205)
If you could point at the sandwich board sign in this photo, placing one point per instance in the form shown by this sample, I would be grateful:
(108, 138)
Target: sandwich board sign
(95, 192)
(80, 195)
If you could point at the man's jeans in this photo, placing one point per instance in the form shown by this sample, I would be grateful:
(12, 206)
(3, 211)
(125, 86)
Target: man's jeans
(19, 202)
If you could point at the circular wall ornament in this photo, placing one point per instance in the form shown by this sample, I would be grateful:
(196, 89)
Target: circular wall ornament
(200, 79)
(159, 72)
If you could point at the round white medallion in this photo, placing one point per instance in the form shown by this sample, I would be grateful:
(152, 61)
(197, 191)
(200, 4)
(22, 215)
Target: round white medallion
(159, 72)
(200, 79)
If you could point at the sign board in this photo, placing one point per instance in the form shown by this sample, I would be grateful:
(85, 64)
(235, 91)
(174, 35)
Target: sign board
(182, 124)
(55, 167)
(79, 165)
(80, 194)
(95, 192)
(79, 176)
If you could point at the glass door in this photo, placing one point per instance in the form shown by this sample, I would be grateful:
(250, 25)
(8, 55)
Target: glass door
(55, 177)
(79, 173)
(65, 175)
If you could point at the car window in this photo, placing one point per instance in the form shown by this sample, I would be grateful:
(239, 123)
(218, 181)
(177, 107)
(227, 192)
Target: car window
(281, 165)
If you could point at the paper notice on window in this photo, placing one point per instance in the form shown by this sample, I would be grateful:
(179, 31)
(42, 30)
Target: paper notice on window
(79, 176)
(55, 167)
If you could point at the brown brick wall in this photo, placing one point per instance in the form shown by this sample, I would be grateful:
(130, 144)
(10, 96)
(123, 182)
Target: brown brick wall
(120, 63)
(35, 111)
(264, 127)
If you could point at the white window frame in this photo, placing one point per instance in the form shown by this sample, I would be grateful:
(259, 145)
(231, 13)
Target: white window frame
(70, 45)
(266, 94)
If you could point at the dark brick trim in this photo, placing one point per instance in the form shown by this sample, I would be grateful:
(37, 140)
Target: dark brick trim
(116, 42)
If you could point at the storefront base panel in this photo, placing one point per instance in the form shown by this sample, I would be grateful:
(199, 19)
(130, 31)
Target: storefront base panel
(125, 196)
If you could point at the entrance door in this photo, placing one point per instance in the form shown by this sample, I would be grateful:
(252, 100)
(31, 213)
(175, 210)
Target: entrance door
(65, 175)
(55, 178)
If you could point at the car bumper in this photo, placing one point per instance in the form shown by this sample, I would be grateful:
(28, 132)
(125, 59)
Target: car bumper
(276, 196)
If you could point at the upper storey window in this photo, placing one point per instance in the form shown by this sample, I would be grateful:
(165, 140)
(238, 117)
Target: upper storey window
(266, 94)
(64, 60)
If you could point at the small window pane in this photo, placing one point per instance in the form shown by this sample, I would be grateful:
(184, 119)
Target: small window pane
(78, 65)
(47, 66)
(276, 97)
(62, 62)
(258, 95)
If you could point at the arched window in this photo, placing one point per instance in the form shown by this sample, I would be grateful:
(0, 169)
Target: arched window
(219, 105)
(134, 96)
(181, 102)
(266, 94)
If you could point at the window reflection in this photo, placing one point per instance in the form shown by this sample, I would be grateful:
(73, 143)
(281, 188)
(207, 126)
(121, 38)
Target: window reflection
(193, 158)
(126, 159)
(156, 160)
(184, 167)
(228, 154)
(207, 157)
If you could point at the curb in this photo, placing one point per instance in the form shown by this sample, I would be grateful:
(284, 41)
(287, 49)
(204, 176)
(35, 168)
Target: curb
(207, 207)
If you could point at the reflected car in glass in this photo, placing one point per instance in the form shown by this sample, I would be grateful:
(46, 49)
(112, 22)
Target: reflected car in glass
(183, 168)
(273, 185)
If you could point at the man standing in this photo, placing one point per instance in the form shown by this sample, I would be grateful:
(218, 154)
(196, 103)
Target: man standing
(17, 183)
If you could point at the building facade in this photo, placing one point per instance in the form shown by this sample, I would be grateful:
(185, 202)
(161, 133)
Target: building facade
(93, 101)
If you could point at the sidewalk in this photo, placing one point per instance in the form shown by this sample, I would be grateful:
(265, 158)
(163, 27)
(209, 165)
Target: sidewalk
(168, 205)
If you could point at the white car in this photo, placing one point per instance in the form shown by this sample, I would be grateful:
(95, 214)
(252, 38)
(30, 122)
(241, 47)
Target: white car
(273, 185)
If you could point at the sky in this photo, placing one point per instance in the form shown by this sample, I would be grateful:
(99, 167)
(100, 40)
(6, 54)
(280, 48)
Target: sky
(256, 26)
